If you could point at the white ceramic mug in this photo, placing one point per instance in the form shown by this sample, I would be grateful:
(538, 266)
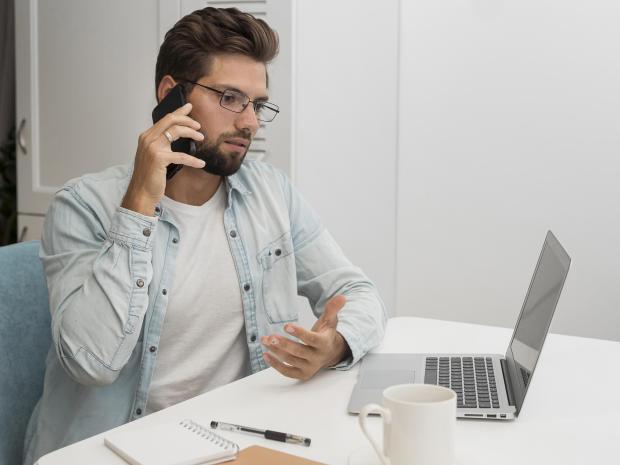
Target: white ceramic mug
(419, 423)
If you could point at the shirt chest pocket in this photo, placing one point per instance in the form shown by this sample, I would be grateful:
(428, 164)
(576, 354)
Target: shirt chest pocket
(279, 280)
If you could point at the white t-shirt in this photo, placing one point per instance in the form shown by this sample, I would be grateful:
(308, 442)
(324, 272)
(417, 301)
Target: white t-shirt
(203, 343)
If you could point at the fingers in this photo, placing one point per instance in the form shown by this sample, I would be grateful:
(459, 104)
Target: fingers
(178, 132)
(153, 154)
(329, 318)
(299, 360)
(180, 158)
(179, 117)
(335, 304)
(285, 348)
(286, 370)
(291, 358)
(310, 338)
(320, 347)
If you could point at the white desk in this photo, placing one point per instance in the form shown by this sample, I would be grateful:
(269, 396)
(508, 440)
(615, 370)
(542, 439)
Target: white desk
(570, 415)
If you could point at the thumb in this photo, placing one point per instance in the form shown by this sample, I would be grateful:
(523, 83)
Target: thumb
(329, 318)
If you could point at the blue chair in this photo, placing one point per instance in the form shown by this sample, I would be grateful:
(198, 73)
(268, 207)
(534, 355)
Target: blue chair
(25, 338)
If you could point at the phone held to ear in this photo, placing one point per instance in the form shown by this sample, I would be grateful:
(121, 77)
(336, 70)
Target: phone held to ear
(173, 100)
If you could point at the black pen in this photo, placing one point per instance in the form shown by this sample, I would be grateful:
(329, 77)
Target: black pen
(267, 434)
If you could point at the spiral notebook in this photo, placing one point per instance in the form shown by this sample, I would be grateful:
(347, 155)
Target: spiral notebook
(178, 443)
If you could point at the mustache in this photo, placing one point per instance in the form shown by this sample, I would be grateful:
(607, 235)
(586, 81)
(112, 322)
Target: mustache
(247, 135)
(207, 145)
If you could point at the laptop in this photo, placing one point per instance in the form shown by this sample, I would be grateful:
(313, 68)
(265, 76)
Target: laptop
(488, 386)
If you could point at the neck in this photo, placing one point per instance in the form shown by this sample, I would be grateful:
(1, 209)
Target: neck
(192, 186)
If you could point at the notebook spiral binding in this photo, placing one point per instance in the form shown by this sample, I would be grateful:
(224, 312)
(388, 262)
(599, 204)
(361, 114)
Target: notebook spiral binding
(209, 435)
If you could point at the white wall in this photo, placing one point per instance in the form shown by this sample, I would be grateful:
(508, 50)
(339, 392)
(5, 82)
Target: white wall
(439, 140)
(509, 125)
(346, 57)
(470, 127)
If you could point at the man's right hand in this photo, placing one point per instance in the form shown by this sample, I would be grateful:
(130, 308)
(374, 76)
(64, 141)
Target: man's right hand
(148, 182)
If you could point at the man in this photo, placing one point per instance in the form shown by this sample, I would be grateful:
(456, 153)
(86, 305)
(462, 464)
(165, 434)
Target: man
(160, 291)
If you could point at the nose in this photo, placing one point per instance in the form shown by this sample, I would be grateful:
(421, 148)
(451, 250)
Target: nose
(247, 120)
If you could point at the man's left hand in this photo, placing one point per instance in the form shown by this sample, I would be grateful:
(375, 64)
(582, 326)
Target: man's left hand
(320, 347)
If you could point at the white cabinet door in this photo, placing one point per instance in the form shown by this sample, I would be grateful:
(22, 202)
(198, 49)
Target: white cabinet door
(84, 89)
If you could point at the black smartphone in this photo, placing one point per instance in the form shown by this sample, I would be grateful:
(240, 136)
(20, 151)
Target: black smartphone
(175, 99)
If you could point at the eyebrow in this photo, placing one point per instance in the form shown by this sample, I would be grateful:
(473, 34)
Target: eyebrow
(227, 87)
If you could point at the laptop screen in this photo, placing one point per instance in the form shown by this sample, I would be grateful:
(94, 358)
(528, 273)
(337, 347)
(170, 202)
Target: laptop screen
(536, 314)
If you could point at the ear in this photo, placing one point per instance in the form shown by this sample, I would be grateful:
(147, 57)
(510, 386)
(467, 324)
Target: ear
(166, 83)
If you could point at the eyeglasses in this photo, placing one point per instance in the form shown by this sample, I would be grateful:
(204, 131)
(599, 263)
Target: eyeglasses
(236, 101)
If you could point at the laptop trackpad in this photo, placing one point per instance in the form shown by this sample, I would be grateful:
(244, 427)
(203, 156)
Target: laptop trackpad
(376, 379)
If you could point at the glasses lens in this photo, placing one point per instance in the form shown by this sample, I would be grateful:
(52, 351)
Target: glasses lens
(234, 101)
(266, 111)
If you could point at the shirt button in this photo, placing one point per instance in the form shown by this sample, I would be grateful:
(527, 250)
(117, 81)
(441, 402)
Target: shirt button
(140, 283)
(253, 338)
(152, 349)
(157, 211)
(139, 411)
(246, 287)
(164, 291)
(175, 240)
(233, 233)
(146, 232)
(278, 252)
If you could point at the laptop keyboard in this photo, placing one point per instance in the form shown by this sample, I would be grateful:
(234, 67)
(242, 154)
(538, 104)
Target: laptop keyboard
(472, 378)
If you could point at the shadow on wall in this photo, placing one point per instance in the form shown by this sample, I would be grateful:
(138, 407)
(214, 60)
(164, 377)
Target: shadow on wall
(8, 176)
(8, 190)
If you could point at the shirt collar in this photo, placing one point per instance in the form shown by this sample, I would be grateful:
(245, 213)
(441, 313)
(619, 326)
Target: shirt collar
(234, 182)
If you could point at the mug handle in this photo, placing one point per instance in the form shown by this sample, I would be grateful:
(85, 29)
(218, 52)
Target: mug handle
(387, 418)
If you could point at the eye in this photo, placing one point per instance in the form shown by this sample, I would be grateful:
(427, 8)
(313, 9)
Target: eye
(228, 98)
(265, 111)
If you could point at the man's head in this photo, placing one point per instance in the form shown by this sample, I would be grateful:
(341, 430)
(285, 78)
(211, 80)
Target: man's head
(219, 56)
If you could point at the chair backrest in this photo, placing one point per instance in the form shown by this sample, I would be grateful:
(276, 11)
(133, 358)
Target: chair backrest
(25, 338)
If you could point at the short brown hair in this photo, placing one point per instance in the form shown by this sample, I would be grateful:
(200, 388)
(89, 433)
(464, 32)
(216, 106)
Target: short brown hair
(189, 47)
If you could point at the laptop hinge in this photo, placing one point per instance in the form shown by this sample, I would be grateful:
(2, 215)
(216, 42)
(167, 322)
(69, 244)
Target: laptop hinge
(507, 383)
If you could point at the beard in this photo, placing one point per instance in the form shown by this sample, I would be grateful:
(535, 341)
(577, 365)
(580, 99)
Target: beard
(219, 162)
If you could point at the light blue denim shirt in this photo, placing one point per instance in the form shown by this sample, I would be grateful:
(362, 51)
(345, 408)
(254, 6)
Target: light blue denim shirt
(108, 271)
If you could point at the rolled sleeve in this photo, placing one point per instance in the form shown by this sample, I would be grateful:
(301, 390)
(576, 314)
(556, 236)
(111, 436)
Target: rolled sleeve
(98, 279)
(133, 229)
